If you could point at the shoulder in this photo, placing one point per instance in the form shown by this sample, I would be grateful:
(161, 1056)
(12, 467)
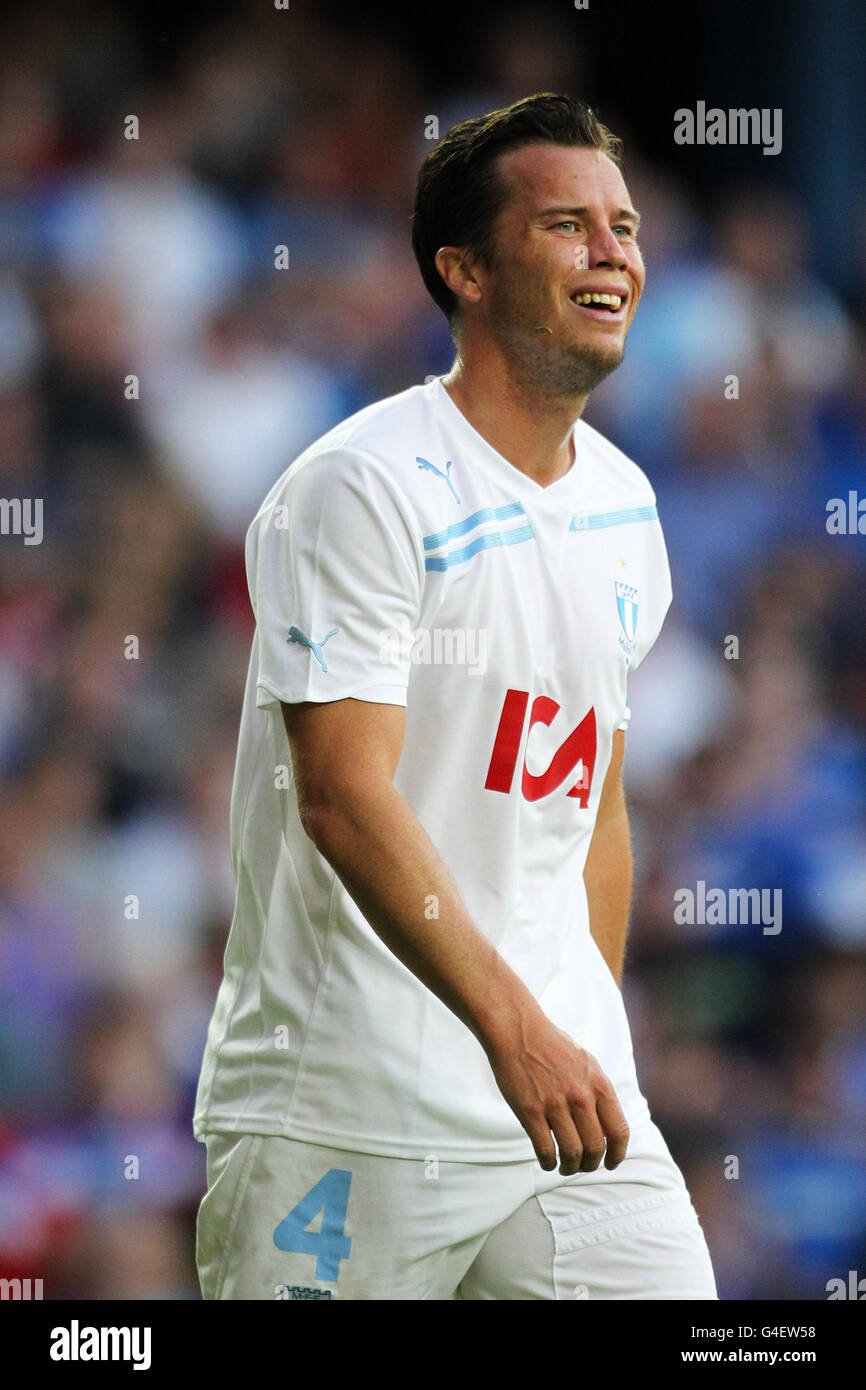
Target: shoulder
(368, 448)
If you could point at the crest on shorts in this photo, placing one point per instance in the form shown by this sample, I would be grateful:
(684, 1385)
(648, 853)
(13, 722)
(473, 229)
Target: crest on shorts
(285, 1292)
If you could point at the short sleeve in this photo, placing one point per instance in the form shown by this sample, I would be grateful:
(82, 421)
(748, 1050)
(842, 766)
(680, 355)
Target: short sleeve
(335, 572)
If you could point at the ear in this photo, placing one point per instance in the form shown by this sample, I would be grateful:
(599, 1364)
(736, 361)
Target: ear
(456, 270)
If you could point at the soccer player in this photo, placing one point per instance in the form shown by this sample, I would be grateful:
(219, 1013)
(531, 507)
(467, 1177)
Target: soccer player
(418, 1081)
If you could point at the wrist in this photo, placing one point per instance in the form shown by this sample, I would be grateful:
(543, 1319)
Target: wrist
(501, 1014)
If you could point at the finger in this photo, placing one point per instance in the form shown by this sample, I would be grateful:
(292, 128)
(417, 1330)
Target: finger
(615, 1127)
(591, 1135)
(539, 1133)
(568, 1140)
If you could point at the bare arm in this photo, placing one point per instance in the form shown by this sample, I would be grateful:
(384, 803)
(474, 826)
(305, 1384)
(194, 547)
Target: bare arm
(344, 756)
(608, 871)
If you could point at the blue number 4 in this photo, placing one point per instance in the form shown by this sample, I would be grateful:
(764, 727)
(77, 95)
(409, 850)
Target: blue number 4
(331, 1197)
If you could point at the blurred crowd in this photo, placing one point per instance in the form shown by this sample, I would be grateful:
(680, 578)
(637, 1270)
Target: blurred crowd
(157, 372)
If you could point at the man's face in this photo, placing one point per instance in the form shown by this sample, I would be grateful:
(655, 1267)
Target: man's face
(561, 199)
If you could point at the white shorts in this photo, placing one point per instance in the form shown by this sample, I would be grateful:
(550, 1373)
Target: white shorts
(283, 1219)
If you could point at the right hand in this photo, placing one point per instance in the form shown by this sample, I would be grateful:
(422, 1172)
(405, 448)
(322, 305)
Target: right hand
(561, 1096)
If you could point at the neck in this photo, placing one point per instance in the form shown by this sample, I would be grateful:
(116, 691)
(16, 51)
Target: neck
(523, 420)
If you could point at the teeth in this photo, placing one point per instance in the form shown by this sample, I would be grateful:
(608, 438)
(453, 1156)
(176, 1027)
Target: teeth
(613, 300)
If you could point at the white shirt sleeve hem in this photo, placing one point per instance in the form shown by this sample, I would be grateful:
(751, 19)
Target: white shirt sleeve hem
(268, 694)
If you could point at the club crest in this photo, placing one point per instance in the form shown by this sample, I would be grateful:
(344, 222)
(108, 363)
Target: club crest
(626, 606)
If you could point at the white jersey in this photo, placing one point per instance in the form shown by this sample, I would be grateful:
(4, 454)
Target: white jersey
(402, 560)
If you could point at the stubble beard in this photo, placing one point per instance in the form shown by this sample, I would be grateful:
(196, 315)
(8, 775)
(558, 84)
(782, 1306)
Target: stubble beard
(542, 367)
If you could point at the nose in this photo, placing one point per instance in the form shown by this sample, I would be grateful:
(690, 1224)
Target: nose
(605, 249)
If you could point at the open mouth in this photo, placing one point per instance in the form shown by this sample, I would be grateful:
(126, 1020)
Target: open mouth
(600, 305)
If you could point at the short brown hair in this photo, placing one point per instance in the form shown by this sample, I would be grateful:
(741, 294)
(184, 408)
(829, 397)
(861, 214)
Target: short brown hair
(459, 192)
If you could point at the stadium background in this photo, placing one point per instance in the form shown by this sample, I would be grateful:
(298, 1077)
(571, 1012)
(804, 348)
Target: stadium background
(305, 127)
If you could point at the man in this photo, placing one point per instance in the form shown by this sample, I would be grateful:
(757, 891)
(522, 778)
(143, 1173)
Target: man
(418, 1080)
